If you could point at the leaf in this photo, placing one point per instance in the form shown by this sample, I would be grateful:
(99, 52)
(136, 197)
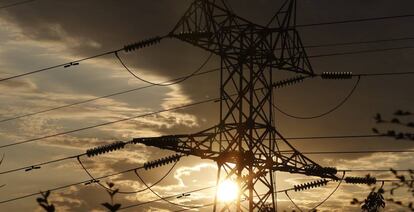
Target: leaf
(107, 205)
(40, 200)
(401, 178)
(116, 207)
(110, 184)
(110, 207)
(395, 120)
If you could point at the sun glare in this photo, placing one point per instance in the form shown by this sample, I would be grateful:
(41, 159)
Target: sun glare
(227, 191)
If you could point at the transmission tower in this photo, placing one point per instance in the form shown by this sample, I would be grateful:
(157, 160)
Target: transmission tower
(245, 143)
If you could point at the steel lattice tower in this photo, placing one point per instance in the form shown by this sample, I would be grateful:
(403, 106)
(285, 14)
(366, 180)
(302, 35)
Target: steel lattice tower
(245, 143)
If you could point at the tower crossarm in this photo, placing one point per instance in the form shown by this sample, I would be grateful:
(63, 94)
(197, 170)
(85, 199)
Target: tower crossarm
(204, 145)
(210, 25)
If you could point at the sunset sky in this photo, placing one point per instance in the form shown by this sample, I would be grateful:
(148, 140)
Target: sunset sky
(44, 33)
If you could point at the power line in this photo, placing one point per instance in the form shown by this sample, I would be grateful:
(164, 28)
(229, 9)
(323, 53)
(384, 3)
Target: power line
(126, 171)
(169, 197)
(359, 52)
(163, 84)
(5, 6)
(336, 137)
(385, 74)
(282, 151)
(324, 113)
(43, 163)
(148, 86)
(352, 152)
(118, 50)
(107, 123)
(358, 42)
(159, 196)
(356, 20)
(69, 185)
(93, 179)
(102, 97)
(59, 65)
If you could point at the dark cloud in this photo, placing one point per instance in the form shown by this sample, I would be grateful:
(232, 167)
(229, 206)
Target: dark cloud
(94, 26)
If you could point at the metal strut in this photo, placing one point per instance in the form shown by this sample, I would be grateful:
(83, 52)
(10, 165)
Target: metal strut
(245, 143)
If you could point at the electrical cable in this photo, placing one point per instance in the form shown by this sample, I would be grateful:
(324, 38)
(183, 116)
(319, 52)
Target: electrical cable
(100, 97)
(329, 196)
(93, 179)
(69, 185)
(360, 52)
(148, 86)
(59, 65)
(122, 172)
(309, 153)
(293, 202)
(5, 6)
(352, 152)
(357, 42)
(163, 84)
(107, 123)
(159, 196)
(324, 113)
(41, 164)
(335, 137)
(355, 20)
(198, 207)
(168, 197)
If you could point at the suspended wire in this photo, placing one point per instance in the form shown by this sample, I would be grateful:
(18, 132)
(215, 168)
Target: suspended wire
(69, 185)
(329, 196)
(107, 123)
(324, 113)
(356, 20)
(384, 74)
(353, 152)
(360, 52)
(201, 206)
(335, 137)
(293, 202)
(159, 196)
(148, 86)
(282, 152)
(123, 172)
(357, 42)
(5, 6)
(93, 179)
(102, 97)
(41, 164)
(58, 66)
(164, 84)
(118, 50)
(168, 197)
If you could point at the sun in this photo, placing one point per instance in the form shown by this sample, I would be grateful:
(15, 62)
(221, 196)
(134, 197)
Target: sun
(227, 191)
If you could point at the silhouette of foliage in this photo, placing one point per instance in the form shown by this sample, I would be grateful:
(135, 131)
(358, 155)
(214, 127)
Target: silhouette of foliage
(44, 202)
(375, 200)
(112, 207)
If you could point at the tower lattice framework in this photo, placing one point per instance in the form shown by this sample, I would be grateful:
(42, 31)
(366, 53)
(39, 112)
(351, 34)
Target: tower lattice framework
(245, 143)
